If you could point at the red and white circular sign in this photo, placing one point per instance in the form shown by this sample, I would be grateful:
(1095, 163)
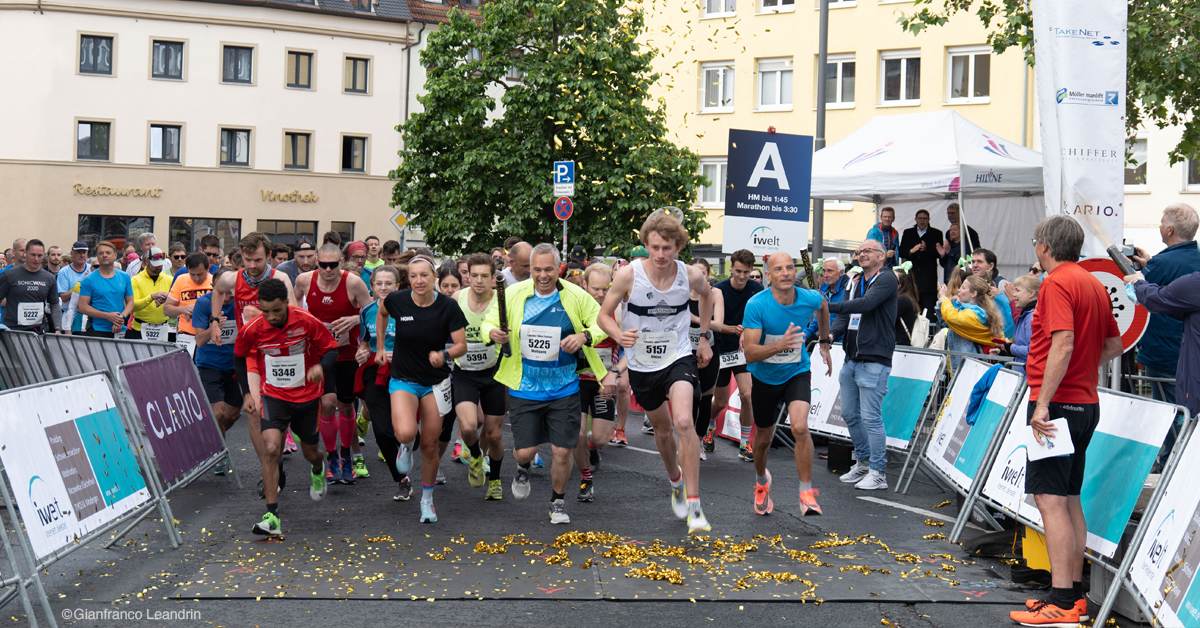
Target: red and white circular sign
(1132, 319)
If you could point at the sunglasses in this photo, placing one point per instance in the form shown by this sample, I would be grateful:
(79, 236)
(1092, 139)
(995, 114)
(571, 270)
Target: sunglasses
(213, 254)
(157, 257)
(329, 265)
(178, 257)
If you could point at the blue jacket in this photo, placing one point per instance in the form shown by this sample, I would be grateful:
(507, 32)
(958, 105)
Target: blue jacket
(876, 233)
(832, 295)
(1159, 347)
(1021, 337)
(1180, 301)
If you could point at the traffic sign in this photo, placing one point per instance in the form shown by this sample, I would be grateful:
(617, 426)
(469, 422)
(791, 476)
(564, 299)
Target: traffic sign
(563, 208)
(399, 220)
(1132, 320)
(564, 178)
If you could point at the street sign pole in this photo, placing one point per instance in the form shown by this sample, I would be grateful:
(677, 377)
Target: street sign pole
(564, 188)
(564, 254)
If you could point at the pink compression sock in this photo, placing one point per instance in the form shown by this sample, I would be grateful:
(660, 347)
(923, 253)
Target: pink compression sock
(345, 429)
(329, 431)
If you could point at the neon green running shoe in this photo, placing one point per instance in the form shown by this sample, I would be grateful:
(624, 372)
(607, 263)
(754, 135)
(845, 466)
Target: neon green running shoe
(269, 526)
(360, 467)
(475, 472)
(362, 424)
(495, 490)
(318, 487)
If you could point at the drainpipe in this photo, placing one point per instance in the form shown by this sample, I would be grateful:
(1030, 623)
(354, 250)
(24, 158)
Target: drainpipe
(408, 62)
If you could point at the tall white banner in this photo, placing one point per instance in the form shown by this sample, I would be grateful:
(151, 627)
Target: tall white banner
(1080, 47)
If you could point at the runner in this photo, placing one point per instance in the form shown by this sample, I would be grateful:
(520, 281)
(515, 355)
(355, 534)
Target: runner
(304, 259)
(663, 367)
(335, 297)
(215, 363)
(373, 250)
(774, 342)
(702, 413)
(68, 284)
(420, 384)
(32, 294)
(187, 289)
(282, 356)
(549, 321)
(736, 290)
(449, 282)
(375, 377)
(106, 295)
(150, 288)
(596, 397)
(475, 385)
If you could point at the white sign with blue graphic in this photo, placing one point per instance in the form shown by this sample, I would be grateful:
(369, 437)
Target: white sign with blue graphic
(564, 178)
(959, 441)
(767, 192)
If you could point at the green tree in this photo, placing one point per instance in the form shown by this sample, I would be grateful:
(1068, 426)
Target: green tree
(1163, 55)
(476, 163)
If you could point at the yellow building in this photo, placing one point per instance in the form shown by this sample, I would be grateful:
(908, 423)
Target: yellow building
(752, 64)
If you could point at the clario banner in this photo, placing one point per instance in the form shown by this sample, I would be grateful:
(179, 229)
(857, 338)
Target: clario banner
(767, 192)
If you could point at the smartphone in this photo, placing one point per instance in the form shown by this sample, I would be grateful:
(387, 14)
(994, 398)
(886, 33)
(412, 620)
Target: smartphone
(1127, 251)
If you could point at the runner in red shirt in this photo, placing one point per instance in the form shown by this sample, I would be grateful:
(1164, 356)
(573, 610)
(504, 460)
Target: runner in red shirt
(282, 356)
(335, 298)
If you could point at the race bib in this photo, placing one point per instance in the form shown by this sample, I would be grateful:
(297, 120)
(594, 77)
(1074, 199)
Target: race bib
(540, 343)
(654, 348)
(730, 360)
(479, 356)
(30, 313)
(787, 356)
(155, 333)
(285, 371)
(694, 337)
(342, 339)
(228, 332)
(444, 393)
(606, 357)
(186, 342)
(855, 319)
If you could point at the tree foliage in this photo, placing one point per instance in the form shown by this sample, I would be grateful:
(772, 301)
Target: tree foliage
(1163, 56)
(477, 161)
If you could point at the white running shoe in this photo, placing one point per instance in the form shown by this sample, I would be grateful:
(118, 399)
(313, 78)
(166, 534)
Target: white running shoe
(404, 459)
(857, 473)
(558, 512)
(874, 481)
(679, 499)
(520, 484)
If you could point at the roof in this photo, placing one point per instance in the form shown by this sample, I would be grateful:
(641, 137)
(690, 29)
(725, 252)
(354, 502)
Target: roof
(384, 10)
(435, 12)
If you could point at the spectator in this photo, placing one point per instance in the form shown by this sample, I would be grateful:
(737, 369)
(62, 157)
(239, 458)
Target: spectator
(906, 306)
(983, 265)
(54, 260)
(145, 242)
(30, 294)
(756, 275)
(1026, 288)
(919, 245)
(178, 253)
(1181, 300)
(833, 288)
(186, 290)
(1072, 333)
(106, 296)
(150, 289)
(280, 254)
(373, 250)
(887, 235)
(68, 283)
(1035, 269)
(304, 261)
(390, 252)
(868, 334)
(971, 316)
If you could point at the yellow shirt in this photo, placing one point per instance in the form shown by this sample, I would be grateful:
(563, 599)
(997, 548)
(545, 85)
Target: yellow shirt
(144, 308)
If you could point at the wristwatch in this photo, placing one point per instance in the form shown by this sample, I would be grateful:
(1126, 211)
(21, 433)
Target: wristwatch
(214, 319)
(445, 356)
(826, 341)
(587, 334)
(708, 335)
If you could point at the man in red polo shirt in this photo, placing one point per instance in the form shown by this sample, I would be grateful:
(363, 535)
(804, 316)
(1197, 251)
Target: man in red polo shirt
(1073, 333)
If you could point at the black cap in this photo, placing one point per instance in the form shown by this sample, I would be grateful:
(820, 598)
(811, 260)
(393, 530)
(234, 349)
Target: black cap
(303, 243)
(577, 252)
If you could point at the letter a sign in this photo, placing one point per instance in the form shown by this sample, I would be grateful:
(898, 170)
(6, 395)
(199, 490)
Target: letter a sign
(766, 192)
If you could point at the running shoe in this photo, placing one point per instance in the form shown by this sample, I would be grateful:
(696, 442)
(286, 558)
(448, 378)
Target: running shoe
(269, 526)
(333, 470)
(587, 492)
(619, 437)
(558, 512)
(404, 459)
(381, 456)
(696, 521)
(362, 424)
(593, 456)
(612, 438)
(318, 487)
(428, 514)
(874, 481)
(762, 497)
(808, 503)
(289, 445)
(1045, 613)
(1080, 605)
(537, 461)
(703, 456)
(679, 499)
(646, 427)
(746, 453)
(475, 474)
(456, 452)
(282, 477)
(403, 490)
(710, 445)
(222, 467)
(857, 473)
(348, 475)
(495, 490)
(520, 484)
(360, 467)
(361, 441)
(441, 477)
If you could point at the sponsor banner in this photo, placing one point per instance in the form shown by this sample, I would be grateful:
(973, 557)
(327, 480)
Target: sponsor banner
(902, 405)
(956, 447)
(175, 412)
(767, 192)
(1169, 556)
(1128, 437)
(68, 460)
(1081, 49)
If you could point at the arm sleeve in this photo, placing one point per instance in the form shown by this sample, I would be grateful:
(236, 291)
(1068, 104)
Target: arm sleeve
(240, 366)
(62, 283)
(72, 309)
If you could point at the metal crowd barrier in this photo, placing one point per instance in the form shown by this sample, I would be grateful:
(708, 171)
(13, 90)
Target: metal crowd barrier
(22, 360)
(75, 355)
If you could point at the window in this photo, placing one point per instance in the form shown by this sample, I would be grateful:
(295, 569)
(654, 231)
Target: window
(167, 60)
(775, 84)
(235, 147)
(901, 77)
(839, 81)
(93, 140)
(970, 75)
(1192, 175)
(164, 143)
(354, 154)
(471, 3)
(115, 229)
(718, 8)
(356, 75)
(190, 230)
(717, 93)
(299, 69)
(1135, 165)
(776, 6)
(288, 231)
(513, 75)
(95, 54)
(345, 229)
(715, 170)
(838, 4)
(238, 65)
(295, 150)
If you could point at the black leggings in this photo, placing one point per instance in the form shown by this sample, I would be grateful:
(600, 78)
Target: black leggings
(702, 405)
(379, 403)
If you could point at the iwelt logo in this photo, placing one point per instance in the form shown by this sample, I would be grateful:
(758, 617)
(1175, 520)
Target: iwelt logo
(763, 236)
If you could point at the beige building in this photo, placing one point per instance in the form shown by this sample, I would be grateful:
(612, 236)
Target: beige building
(185, 118)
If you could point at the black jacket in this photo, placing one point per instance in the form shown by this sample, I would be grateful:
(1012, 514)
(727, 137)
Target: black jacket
(925, 263)
(877, 327)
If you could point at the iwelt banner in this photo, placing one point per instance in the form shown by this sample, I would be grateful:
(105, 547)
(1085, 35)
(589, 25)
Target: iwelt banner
(1080, 47)
(766, 192)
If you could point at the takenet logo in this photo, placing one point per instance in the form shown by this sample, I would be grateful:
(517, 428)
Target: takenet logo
(1094, 36)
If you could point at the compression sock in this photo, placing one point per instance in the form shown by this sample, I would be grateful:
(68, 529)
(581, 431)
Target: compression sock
(745, 436)
(585, 474)
(494, 469)
(329, 431)
(345, 430)
(427, 493)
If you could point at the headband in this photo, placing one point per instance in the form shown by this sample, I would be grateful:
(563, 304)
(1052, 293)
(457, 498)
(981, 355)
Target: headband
(423, 259)
(354, 246)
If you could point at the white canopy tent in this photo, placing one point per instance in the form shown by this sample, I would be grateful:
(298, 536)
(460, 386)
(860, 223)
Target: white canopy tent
(929, 160)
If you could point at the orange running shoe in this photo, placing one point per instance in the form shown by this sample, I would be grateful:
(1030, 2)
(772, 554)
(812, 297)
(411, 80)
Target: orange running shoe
(808, 502)
(762, 497)
(1045, 613)
(1080, 605)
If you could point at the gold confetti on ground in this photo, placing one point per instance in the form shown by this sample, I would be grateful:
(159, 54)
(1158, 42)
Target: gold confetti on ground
(931, 537)
(934, 523)
(379, 539)
(945, 503)
(888, 623)
(654, 571)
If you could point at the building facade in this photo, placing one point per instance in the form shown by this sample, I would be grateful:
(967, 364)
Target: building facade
(184, 118)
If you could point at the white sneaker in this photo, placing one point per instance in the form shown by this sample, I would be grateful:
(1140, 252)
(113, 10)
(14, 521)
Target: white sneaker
(857, 473)
(873, 482)
(558, 512)
(520, 484)
(679, 499)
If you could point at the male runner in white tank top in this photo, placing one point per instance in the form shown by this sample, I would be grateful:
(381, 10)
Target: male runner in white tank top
(661, 364)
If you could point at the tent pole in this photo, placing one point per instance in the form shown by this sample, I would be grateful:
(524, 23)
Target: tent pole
(964, 231)
(818, 205)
